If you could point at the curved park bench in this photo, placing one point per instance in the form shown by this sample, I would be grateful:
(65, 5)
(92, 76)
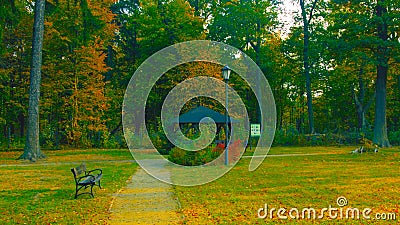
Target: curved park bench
(85, 179)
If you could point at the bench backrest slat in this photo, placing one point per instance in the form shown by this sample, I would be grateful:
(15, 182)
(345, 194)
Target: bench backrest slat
(79, 170)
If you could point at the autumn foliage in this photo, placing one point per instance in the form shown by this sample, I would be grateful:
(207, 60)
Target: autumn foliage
(92, 48)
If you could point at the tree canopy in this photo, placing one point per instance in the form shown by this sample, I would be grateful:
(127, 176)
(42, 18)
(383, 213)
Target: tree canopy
(334, 72)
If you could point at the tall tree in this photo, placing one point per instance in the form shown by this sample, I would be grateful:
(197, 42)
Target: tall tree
(306, 19)
(146, 27)
(74, 72)
(15, 57)
(380, 124)
(367, 32)
(248, 26)
(32, 148)
(348, 33)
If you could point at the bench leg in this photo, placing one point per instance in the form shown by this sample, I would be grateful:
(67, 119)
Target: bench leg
(77, 189)
(76, 192)
(91, 190)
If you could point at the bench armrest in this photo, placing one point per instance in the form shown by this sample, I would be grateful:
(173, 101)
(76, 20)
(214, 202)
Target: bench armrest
(100, 170)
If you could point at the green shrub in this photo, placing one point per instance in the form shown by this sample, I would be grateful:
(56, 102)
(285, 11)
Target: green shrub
(113, 141)
(289, 136)
(161, 142)
(193, 158)
(178, 156)
(394, 137)
(204, 156)
(136, 139)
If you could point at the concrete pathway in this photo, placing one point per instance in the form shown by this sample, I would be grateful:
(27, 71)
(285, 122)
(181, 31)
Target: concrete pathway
(288, 155)
(145, 200)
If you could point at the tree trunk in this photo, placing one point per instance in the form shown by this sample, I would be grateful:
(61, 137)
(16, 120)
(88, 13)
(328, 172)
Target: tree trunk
(8, 137)
(258, 62)
(21, 119)
(257, 50)
(361, 107)
(116, 129)
(32, 149)
(380, 126)
(307, 75)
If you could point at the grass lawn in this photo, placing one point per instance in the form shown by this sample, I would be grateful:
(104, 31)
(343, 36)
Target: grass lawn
(369, 180)
(43, 192)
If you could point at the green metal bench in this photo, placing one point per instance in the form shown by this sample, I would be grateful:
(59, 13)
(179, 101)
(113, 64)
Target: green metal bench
(84, 179)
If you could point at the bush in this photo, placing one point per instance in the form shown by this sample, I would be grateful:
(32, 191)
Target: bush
(178, 156)
(161, 142)
(113, 141)
(289, 136)
(136, 139)
(192, 158)
(204, 156)
(394, 137)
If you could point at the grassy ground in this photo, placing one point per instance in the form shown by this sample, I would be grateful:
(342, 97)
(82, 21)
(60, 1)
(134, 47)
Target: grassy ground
(369, 180)
(43, 192)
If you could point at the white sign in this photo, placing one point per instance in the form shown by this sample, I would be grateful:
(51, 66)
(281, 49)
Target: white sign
(255, 130)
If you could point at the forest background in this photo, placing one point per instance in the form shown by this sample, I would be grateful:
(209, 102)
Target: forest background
(334, 69)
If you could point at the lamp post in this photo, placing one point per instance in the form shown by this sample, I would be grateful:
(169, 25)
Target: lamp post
(226, 71)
